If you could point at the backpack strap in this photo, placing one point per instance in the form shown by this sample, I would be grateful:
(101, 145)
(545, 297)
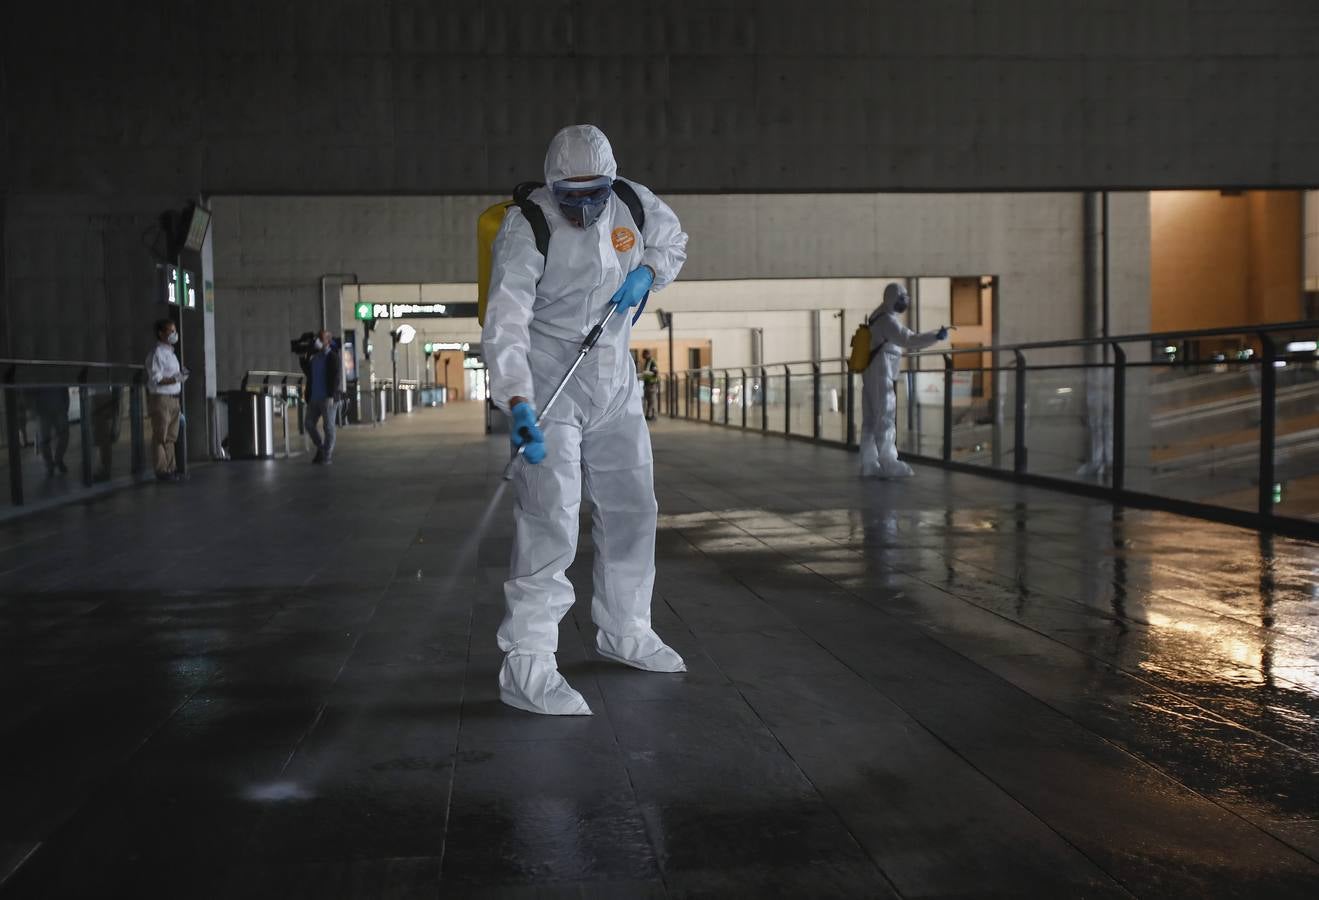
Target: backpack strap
(628, 195)
(534, 215)
(625, 192)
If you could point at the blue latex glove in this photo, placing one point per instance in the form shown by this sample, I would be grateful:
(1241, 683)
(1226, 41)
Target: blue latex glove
(524, 431)
(634, 289)
(943, 333)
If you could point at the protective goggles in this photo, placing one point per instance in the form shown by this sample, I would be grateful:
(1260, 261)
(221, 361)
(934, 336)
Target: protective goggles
(583, 194)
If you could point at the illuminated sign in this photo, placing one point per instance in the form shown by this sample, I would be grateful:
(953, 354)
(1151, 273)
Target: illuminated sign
(170, 283)
(188, 289)
(366, 311)
(447, 345)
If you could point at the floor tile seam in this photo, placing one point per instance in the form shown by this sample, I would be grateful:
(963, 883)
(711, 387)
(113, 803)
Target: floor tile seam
(631, 781)
(1124, 751)
(17, 866)
(797, 766)
(1116, 669)
(457, 747)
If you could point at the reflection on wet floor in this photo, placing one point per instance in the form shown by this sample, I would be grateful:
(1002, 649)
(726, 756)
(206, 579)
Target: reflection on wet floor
(944, 687)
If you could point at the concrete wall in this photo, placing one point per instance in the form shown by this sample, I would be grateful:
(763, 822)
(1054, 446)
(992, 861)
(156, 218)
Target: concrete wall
(312, 96)
(113, 112)
(748, 254)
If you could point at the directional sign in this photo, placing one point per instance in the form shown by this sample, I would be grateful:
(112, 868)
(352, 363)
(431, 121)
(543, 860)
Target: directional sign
(367, 311)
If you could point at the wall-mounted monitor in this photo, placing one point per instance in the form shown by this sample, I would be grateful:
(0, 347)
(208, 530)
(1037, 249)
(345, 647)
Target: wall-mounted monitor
(197, 221)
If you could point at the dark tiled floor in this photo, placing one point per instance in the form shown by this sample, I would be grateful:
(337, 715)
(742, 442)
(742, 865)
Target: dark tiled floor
(278, 681)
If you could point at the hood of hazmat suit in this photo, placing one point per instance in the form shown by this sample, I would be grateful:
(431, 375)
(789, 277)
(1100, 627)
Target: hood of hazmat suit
(538, 312)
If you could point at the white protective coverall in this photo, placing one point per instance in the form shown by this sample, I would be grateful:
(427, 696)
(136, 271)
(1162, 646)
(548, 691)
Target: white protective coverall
(879, 398)
(539, 310)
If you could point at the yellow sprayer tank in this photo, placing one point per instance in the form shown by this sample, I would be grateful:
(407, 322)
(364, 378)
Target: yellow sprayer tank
(486, 228)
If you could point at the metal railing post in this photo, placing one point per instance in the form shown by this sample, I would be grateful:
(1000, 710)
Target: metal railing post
(698, 395)
(1268, 422)
(947, 407)
(1119, 417)
(724, 398)
(12, 429)
(743, 395)
(1019, 424)
(711, 411)
(136, 425)
(764, 399)
(787, 399)
(851, 408)
(817, 422)
(85, 426)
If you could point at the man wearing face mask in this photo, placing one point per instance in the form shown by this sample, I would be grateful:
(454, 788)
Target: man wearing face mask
(165, 377)
(539, 310)
(323, 370)
(879, 398)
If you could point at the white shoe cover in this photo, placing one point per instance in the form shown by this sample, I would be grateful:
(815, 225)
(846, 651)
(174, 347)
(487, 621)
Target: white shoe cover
(532, 682)
(895, 468)
(643, 651)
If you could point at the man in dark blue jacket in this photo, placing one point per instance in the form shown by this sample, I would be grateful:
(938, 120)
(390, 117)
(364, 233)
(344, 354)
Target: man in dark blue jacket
(324, 370)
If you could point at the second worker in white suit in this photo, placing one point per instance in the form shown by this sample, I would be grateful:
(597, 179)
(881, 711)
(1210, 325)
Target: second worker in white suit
(539, 310)
(879, 398)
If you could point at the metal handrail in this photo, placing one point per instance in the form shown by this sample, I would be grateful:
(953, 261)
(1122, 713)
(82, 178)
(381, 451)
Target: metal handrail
(71, 363)
(1149, 337)
(1272, 356)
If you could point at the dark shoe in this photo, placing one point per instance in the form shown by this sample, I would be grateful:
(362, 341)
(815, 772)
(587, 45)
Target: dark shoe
(318, 458)
(171, 477)
(63, 469)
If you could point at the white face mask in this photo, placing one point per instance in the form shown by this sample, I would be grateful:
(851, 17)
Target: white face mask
(317, 344)
(173, 338)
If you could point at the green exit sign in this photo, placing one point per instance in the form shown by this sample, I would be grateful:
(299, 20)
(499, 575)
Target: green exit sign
(364, 312)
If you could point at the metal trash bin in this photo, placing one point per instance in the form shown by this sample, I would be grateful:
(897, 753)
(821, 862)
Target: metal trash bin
(251, 425)
(407, 398)
(383, 406)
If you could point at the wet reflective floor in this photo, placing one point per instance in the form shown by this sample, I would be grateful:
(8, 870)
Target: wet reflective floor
(279, 681)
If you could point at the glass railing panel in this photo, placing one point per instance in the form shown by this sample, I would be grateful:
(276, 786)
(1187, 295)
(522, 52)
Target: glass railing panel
(973, 417)
(803, 404)
(774, 398)
(1202, 444)
(1296, 444)
(1070, 423)
(833, 408)
(50, 419)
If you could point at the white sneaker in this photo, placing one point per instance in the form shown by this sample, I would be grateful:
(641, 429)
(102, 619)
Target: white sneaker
(643, 651)
(532, 682)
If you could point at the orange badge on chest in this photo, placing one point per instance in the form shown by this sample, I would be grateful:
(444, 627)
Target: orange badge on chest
(624, 239)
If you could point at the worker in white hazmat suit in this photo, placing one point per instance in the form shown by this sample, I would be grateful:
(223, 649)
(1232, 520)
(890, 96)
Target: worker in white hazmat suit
(539, 310)
(879, 398)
